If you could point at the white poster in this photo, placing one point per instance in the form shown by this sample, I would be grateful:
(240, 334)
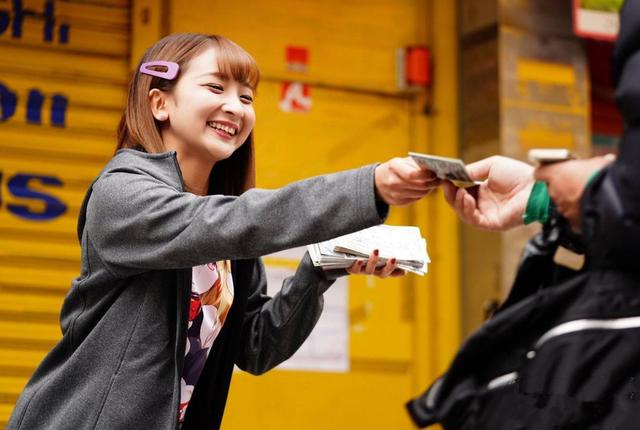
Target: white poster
(327, 347)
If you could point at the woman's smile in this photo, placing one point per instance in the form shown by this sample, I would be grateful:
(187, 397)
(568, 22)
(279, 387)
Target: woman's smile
(225, 129)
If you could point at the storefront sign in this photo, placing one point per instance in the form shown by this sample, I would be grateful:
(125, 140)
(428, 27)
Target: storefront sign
(597, 19)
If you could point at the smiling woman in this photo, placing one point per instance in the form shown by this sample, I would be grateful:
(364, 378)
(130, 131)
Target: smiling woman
(172, 291)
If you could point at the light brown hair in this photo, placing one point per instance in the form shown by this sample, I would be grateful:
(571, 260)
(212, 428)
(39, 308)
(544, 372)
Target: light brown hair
(138, 128)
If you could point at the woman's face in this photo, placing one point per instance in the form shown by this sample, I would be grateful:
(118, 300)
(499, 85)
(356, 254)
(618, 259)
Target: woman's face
(209, 114)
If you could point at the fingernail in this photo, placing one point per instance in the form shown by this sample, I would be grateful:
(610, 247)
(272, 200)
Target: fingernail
(376, 252)
(393, 261)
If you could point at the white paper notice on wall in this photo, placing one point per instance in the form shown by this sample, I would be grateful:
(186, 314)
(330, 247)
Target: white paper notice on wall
(327, 347)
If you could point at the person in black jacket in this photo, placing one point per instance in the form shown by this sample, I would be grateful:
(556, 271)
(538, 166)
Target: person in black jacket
(563, 355)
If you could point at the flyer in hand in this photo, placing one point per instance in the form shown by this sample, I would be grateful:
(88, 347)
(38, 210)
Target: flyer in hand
(445, 168)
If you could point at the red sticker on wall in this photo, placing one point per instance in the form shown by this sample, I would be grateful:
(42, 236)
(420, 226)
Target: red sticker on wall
(295, 97)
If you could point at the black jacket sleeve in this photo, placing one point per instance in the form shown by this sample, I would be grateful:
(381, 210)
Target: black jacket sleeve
(611, 202)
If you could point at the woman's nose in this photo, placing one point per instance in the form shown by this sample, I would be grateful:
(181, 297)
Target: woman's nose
(233, 106)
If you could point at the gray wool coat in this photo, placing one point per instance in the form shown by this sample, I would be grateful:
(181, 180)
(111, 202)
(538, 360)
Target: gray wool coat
(124, 320)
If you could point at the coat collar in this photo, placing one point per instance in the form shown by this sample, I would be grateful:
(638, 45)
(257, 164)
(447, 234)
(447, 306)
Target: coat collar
(162, 166)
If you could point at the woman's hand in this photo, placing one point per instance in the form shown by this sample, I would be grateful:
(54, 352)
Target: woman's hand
(566, 181)
(401, 181)
(360, 267)
(500, 201)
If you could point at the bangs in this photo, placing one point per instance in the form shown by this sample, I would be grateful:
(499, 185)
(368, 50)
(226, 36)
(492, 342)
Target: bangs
(235, 62)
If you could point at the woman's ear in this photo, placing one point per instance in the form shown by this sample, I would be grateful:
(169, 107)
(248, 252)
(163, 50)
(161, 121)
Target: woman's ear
(158, 102)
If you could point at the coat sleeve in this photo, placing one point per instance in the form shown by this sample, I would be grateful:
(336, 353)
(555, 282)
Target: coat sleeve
(275, 327)
(611, 202)
(138, 223)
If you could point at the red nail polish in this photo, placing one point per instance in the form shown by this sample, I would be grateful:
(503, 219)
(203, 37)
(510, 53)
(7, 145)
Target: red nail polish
(376, 252)
(393, 261)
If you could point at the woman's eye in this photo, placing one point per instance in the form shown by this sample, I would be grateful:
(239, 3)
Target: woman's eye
(215, 87)
(246, 99)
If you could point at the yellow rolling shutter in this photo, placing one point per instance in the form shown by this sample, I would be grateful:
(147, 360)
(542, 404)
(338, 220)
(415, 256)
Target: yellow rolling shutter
(63, 74)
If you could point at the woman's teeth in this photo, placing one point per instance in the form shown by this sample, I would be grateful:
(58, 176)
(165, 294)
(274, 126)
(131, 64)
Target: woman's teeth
(229, 130)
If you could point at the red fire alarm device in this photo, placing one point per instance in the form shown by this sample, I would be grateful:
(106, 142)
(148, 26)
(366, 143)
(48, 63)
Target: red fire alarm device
(417, 66)
(297, 58)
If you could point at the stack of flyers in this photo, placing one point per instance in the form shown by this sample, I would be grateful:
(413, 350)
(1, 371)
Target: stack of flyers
(404, 243)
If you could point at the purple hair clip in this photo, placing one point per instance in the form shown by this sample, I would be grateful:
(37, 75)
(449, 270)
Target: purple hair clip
(170, 73)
